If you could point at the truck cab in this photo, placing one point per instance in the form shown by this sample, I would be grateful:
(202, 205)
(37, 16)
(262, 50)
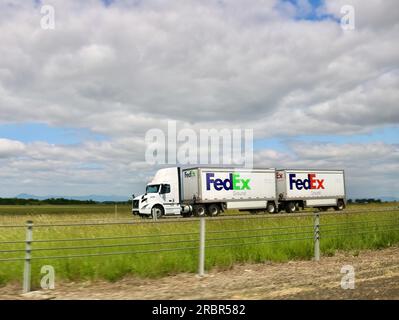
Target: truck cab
(162, 195)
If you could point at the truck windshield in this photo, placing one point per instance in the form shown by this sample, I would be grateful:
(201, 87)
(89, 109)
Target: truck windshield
(154, 188)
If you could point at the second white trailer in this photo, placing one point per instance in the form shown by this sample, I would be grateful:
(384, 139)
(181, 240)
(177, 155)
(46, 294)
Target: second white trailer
(322, 189)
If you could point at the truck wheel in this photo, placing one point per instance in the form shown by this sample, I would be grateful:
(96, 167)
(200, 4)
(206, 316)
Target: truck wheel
(271, 207)
(158, 210)
(213, 210)
(290, 207)
(186, 214)
(296, 206)
(199, 210)
(340, 206)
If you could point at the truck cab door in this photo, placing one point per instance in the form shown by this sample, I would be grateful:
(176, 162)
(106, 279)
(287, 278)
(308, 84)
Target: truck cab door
(170, 201)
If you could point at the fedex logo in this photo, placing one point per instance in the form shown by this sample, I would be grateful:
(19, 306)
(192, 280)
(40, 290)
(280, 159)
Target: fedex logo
(189, 174)
(234, 182)
(311, 183)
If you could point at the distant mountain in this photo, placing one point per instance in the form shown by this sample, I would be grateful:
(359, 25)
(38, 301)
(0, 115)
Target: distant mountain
(98, 198)
(29, 196)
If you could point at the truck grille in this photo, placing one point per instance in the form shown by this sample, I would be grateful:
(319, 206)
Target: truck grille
(135, 204)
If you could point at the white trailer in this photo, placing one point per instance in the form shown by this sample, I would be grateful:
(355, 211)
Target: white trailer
(321, 189)
(211, 190)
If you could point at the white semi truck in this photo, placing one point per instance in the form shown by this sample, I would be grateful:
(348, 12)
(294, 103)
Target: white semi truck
(209, 191)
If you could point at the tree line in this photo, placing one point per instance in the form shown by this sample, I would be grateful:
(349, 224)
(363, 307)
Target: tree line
(371, 200)
(54, 201)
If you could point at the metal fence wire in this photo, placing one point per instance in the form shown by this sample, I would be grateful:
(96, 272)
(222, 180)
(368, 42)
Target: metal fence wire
(201, 240)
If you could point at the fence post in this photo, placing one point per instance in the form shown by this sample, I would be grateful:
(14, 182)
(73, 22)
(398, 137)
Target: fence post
(154, 214)
(28, 256)
(317, 236)
(201, 265)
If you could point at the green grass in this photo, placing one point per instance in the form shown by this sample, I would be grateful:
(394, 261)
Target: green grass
(67, 211)
(114, 267)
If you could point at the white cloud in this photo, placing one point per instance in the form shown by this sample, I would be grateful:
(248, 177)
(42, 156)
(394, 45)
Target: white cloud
(191, 62)
(345, 152)
(10, 148)
(375, 101)
(371, 169)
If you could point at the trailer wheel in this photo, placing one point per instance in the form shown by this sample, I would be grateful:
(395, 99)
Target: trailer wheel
(340, 205)
(290, 207)
(213, 210)
(271, 207)
(199, 210)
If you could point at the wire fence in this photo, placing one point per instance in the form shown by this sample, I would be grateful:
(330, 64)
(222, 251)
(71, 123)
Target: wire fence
(32, 249)
(173, 219)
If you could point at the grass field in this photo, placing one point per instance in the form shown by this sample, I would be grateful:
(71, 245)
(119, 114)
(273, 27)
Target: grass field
(383, 231)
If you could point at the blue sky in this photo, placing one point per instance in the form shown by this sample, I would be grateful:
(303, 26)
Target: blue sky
(32, 132)
(312, 14)
(388, 135)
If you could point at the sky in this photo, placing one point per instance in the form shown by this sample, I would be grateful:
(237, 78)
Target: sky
(77, 101)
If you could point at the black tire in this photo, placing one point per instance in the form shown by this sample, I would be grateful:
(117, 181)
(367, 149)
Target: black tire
(187, 214)
(159, 211)
(340, 206)
(271, 208)
(199, 210)
(296, 206)
(290, 207)
(213, 210)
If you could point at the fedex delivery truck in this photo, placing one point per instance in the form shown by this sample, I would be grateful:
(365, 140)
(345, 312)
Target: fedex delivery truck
(321, 189)
(207, 191)
(204, 191)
